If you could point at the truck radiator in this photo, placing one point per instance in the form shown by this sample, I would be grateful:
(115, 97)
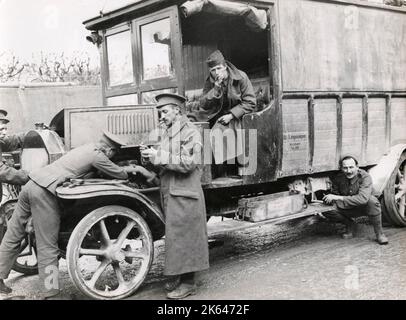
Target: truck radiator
(119, 124)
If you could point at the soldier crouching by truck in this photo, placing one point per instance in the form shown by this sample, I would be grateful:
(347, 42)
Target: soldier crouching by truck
(352, 197)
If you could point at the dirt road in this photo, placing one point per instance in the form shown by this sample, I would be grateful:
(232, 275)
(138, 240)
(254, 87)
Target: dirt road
(281, 262)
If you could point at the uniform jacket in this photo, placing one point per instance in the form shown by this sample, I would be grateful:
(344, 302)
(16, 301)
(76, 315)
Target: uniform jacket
(7, 173)
(356, 191)
(76, 164)
(239, 99)
(182, 199)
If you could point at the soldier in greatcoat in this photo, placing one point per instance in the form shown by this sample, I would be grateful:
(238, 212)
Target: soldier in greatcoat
(177, 159)
(228, 95)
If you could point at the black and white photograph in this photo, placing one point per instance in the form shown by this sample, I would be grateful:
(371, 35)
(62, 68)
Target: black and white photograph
(220, 152)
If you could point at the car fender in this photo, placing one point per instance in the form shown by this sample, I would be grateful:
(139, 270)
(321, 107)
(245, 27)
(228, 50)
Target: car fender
(101, 190)
(381, 172)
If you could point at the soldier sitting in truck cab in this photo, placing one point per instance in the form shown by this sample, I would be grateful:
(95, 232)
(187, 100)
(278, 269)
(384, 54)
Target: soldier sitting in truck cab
(227, 96)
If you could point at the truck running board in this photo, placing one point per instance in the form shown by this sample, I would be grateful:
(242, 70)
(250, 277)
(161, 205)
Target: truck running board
(236, 225)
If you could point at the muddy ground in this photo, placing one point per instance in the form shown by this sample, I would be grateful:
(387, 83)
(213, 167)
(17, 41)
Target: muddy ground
(287, 261)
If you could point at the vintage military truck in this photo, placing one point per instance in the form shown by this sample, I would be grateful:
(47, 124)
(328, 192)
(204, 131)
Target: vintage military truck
(329, 79)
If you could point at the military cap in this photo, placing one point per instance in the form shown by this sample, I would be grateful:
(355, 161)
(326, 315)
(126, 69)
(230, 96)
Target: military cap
(112, 140)
(3, 114)
(164, 99)
(215, 59)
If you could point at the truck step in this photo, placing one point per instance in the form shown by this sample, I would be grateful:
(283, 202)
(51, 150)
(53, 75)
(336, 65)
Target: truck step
(236, 225)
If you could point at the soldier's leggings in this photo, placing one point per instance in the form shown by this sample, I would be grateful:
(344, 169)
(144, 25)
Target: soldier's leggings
(44, 208)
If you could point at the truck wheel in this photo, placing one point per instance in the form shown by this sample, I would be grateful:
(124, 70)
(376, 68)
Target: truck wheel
(110, 252)
(394, 194)
(26, 262)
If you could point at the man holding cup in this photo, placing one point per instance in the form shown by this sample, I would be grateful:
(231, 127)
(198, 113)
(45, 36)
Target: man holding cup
(177, 159)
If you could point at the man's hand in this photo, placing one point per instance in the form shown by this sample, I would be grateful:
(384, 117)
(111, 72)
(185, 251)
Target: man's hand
(219, 81)
(225, 120)
(141, 170)
(330, 198)
(149, 153)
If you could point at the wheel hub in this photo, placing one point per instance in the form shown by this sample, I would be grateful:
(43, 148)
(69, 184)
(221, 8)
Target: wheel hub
(115, 254)
(128, 259)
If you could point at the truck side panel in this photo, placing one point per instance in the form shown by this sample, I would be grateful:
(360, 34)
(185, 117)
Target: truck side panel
(327, 46)
(317, 132)
(398, 120)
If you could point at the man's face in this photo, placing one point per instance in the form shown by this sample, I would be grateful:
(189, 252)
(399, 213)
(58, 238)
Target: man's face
(168, 114)
(349, 168)
(3, 130)
(219, 72)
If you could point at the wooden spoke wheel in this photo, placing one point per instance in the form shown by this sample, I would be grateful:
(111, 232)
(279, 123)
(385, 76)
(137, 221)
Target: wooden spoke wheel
(110, 253)
(394, 194)
(26, 262)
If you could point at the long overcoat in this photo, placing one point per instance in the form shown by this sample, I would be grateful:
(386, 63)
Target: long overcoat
(237, 98)
(182, 199)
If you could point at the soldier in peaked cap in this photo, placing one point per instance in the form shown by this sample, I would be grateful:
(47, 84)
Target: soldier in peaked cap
(174, 99)
(352, 196)
(38, 198)
(177, 160)
(112, 140)
(9, 143)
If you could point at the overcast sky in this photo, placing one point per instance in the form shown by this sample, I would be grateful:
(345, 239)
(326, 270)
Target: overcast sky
(31, 26)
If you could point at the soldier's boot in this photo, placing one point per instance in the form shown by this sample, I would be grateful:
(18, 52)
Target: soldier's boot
(172, 283)
(186, 287)
(377, 224)
(4, 288)
(350, 227)
(182, 291)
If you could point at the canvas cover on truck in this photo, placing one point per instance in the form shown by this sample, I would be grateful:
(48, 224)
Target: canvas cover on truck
(254, 18)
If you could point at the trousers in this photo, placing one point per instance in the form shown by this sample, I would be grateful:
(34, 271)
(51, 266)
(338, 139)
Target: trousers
(371, 209)
(43, 206)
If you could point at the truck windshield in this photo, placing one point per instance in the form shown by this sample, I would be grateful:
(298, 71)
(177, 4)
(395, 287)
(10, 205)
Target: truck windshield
(156, 49)
(120, 65)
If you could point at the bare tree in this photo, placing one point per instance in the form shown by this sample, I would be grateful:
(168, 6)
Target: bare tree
(51, 67)
(12, 69)
(397, 3)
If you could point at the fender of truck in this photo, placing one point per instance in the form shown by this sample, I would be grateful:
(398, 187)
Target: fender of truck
(382, 171)
(154, 215)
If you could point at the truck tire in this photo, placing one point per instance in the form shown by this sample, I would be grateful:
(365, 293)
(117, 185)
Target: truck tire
(393, 205)
(111, 236)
